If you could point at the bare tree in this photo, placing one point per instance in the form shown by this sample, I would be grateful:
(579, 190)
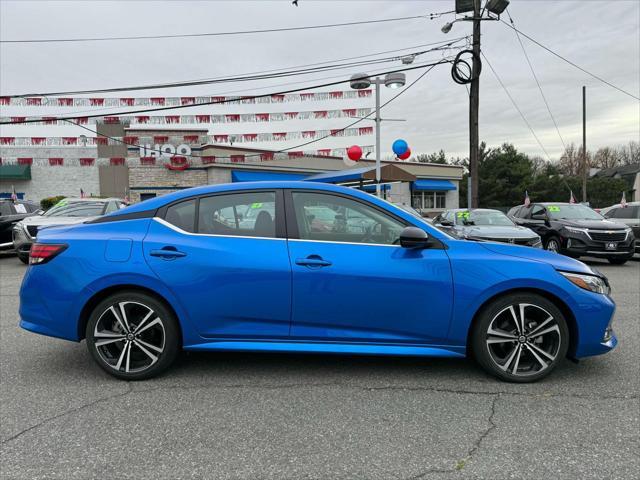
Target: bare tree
(628, 154)
(571, 160)
(606, 157)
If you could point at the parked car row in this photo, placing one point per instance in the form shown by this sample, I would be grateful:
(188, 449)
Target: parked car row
(571, 229)
(20, 221)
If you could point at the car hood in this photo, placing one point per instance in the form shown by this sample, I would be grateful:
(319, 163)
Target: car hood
(557, 261)
(42, 221)
(495, 231)
(594, 224)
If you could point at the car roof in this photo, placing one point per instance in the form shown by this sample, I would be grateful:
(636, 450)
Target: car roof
(473, 210)
(90, 199)
(158, 202)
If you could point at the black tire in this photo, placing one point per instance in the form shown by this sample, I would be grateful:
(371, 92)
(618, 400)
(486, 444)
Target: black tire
(555, 344)
(153, 335)
(24, 258)
(551, 241)
(617, 261)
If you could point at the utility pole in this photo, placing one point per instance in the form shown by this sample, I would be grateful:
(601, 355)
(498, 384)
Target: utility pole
(584, 143)
(474, 104)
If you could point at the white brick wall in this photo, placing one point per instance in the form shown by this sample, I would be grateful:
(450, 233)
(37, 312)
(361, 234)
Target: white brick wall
(47, 181)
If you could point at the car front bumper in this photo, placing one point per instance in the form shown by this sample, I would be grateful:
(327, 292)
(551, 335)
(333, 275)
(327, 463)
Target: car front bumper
(578, 244)
(22, 241)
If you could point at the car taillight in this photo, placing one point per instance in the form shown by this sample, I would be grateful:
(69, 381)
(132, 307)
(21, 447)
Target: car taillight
(43, 252)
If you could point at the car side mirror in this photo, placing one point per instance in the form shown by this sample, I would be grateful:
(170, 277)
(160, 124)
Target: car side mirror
(414, 237)
(539, 216)
(446, 223)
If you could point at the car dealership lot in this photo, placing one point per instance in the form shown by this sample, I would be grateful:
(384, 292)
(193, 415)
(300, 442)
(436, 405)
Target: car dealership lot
(276, 416)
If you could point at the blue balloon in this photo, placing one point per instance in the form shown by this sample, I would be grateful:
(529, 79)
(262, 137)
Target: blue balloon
(399, 147)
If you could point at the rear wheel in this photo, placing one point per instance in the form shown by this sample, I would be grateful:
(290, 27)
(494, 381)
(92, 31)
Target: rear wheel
(520, 338)
(132, 336)
(617, 261)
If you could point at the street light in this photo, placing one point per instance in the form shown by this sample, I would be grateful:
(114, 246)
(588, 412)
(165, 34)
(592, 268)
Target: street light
(360, 81)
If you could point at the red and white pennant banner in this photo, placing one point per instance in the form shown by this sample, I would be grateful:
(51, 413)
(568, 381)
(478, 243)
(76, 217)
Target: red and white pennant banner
(194, 160)
(223, 138)
(177, 101)
(198, 119)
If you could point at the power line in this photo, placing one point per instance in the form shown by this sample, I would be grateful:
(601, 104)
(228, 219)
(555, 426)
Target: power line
(537, 82)
(570, 62)
(268, 74)
(215, 102)
(216, 34)
(431, 67)
(516, 106)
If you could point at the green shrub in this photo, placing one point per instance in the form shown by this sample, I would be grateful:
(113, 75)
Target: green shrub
(47, 203)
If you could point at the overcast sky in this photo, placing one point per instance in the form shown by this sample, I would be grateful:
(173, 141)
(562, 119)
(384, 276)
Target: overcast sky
(601, 36)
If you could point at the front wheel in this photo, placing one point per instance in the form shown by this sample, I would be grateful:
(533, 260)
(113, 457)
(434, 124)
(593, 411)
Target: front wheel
(132, 336)
(552, 244)
(617, 261)
(520, 338)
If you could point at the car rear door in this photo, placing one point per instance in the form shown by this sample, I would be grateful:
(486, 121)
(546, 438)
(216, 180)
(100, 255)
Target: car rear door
(228, 267)
(351, 283)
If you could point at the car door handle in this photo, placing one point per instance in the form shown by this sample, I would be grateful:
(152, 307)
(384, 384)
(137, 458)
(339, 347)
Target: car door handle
(313, 261)
(167, 253)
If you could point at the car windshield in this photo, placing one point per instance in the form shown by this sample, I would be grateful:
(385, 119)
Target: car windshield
(483, 217)
(572, 212)
(76, 209)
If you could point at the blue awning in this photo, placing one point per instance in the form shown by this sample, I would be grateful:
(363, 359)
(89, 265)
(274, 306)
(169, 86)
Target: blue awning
(372, 188)
(433, 185)
(262, 176)
(341, 176)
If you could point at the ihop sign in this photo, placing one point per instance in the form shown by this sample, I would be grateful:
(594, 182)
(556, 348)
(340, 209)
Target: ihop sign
(165, 151)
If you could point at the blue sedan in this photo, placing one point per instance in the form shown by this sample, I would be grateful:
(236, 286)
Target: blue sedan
(305, 267)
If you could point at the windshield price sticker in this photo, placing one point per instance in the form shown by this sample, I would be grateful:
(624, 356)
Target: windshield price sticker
(553, 208)
(20, 208)
(464, 215)
(256, 205)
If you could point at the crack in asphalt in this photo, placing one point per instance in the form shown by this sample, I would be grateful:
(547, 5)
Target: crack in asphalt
(130, 390)
(474, 447)
(68, 412)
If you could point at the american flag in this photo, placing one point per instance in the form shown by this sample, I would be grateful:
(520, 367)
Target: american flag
(14, 195)
(623, 202)
(527, 202)
(572, 199)
(82, 194)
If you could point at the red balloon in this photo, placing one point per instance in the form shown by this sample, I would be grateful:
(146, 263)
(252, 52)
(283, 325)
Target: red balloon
(354, 153)
(405, 155)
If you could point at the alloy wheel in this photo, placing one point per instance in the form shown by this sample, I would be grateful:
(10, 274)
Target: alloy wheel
(523, 339)
(129, 337)
(553, 246)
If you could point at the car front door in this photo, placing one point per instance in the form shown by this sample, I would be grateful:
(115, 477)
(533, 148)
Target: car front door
(353, 283)
(225, 258)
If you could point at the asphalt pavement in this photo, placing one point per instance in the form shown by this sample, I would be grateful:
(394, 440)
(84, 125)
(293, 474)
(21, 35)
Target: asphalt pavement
(253, 416)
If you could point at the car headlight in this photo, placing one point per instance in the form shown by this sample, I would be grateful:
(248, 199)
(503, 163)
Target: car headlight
(536, 242)
(588, 282)
(576, 230)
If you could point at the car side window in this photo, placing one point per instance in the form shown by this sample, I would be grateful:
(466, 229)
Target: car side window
(111, 207)
(334, 218)
(182, 215)
(251, 214)
(537, 210)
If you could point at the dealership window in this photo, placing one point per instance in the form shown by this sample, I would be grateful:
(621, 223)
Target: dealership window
(334, 218)
(244, 214)
(429, 200)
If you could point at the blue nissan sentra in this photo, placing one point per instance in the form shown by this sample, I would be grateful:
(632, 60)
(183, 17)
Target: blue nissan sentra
(305, 267)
